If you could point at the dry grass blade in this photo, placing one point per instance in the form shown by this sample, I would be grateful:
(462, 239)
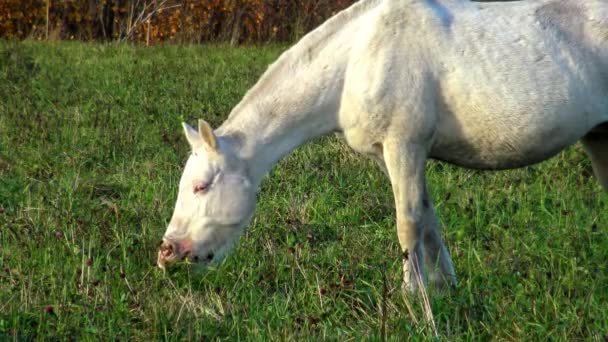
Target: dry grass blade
(424, 297)
(408, 305)
(384, 306)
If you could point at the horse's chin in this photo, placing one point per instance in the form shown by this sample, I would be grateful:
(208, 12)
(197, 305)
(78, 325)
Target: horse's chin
(190, 264)
(200, 260)
(199, 267)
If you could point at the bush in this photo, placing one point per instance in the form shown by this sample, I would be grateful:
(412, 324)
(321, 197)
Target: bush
(165, 20)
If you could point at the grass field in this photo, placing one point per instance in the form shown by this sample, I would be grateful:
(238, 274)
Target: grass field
(91, 150)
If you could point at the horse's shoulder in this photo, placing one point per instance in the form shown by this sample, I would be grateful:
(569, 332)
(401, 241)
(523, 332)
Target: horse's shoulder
(563, 11)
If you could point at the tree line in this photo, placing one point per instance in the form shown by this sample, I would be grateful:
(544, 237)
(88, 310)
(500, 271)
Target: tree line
(152, 21)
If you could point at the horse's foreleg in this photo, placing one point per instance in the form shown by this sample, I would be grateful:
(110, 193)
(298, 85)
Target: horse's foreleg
(595, 144)
(438, 261)
(405, 163)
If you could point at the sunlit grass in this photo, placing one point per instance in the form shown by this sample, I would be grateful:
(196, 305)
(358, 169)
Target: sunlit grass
(90, 156)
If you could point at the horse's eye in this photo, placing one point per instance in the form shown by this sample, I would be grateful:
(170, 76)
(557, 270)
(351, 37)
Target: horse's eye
(200, 187)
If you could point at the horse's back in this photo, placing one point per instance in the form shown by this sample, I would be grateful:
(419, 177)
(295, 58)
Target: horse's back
(501, 85)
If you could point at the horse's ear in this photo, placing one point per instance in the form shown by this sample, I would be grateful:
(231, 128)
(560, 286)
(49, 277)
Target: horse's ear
(194, 139)
(206, 132)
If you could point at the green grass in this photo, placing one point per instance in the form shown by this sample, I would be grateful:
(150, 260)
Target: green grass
(91, 150)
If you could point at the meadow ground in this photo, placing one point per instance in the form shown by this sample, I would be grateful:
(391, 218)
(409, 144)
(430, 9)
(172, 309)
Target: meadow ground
(91, 150)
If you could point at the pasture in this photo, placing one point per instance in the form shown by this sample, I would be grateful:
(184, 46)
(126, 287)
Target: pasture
(91, 151)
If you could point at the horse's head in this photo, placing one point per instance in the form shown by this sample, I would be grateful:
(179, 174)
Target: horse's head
(215, 201)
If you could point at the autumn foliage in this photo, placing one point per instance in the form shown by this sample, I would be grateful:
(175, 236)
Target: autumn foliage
(151, 21)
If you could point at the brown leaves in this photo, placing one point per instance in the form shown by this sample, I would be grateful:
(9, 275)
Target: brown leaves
(178, 20)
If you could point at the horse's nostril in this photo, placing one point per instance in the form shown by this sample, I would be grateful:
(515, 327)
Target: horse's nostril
(187, 255)
(167, 248)
(210, 256)
(195, 258)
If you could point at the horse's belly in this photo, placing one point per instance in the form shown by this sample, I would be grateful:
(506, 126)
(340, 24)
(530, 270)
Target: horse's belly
(514, 119)
(488, 156)
(503, 144)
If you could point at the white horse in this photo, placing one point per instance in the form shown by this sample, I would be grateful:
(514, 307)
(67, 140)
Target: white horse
(481, 85)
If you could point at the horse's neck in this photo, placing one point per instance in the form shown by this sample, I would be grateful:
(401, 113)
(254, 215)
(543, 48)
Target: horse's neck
(297, 106)
(296, 100)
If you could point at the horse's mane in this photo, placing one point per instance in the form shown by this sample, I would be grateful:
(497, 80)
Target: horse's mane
(314, 40)
(309, 45)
